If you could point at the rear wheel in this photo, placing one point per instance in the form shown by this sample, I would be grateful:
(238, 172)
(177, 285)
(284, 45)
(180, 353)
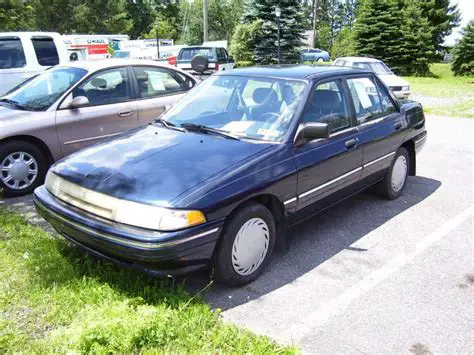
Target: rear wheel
(22, 168)
(245, 246)
(320, 60)
(393, 184)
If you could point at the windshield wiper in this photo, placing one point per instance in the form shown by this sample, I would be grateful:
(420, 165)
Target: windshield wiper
(204, 129)
(168, 124)
(14, 104)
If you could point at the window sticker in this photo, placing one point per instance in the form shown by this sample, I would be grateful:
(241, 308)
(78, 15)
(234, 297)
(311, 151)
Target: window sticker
(238, 126)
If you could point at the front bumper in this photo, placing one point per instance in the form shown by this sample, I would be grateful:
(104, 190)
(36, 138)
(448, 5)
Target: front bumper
(402, 95)
(163, 254)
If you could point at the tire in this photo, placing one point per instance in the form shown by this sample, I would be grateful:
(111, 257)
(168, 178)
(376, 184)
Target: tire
(320, 60)
(393, 184)
(24, 158)
(233, 265)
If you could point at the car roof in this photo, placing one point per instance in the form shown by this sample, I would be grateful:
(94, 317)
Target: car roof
(93, 65)
(294, 71)
(359, 59)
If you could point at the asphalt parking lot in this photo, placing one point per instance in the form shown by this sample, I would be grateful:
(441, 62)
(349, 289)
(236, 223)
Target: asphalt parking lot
(373, 276)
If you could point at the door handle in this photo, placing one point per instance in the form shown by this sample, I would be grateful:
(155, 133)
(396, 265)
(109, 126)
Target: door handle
(351, 143)
(397, 125)
(125, 113)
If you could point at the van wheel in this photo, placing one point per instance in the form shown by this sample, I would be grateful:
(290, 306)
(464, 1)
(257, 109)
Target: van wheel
(246, 245)
(22, 168)
(393, 184)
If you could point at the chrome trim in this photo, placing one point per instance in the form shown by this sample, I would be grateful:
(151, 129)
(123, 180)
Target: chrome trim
(421, 139)
(291, 200)
(379, 159)
(368, 123)
(91, 138)
(122, 241)
(329, 182)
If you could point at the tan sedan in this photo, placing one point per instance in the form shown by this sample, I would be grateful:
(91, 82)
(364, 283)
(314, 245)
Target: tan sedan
(70, 107)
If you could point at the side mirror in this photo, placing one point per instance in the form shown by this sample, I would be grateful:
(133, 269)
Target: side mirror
(230, 59)
(79, 101)
(310, 131)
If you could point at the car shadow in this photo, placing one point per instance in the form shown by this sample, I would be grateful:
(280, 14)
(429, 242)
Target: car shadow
(317, 240)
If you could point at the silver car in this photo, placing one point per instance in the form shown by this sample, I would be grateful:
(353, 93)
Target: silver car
(70, 107)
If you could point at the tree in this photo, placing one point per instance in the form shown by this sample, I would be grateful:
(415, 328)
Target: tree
(101, 16)
(16, 15)
(48, 18)
(243, 41)
(377, 31)
(463, 62)
(292, 26)
(344, 45)
(416, 45)
(141, 14)
(442, 16)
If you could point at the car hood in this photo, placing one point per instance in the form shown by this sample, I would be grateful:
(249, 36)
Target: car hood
(393, 80)
(153, 165)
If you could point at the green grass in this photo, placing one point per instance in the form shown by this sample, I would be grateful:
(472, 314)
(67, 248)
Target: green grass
(53, 298)
(444, 93)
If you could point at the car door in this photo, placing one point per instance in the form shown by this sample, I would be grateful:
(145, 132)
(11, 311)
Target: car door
(328, 165)
(110, 111)
(379, 121)
(223, 59)
(157, 88)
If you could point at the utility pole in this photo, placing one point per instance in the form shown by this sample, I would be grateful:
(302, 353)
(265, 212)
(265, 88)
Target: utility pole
(315, 13)
(157, 43)
(205, 3)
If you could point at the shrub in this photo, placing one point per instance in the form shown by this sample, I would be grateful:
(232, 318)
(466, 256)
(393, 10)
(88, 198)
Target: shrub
(463, 53)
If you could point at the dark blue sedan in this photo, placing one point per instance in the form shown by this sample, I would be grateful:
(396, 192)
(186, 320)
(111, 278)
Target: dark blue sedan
(218, 179)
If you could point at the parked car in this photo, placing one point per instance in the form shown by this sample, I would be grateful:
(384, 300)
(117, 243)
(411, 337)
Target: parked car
(209, 59)
(24, 54)
(217, 182)
(314, 55)
(399, 86)
(70, 107)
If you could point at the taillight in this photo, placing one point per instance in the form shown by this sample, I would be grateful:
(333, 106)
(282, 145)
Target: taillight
(216, 68)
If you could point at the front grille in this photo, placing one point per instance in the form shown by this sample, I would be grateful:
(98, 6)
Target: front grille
(396, 88)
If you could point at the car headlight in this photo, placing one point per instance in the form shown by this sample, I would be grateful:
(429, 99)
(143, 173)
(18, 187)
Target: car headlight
(406, 88)
(122, 211)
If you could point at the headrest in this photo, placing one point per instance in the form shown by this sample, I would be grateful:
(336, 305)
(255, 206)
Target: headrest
(325, 99)
(267, 95)
(99, 83)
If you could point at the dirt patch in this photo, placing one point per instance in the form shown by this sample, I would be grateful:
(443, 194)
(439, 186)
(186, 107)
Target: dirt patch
(420, 349)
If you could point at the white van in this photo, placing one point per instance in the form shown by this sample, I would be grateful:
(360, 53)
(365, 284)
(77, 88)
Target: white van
(24, 54)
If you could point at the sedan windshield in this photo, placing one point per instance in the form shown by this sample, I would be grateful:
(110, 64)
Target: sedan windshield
(246, 107)
(41, 92)
(378, 68)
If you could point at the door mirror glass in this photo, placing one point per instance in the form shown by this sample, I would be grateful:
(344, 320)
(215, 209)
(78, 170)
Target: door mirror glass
(311, 131)
(79, 101)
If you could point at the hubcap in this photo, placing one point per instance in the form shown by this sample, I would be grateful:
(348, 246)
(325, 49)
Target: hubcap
(18, 170)
(250, 246)
(399, 173)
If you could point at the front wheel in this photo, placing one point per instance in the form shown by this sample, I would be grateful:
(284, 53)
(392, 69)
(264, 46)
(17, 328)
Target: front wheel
(393, 184)
(320, 60)
(246, 245)
(22, 168)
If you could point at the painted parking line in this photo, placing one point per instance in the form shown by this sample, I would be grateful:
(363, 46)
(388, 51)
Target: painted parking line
(343, 301)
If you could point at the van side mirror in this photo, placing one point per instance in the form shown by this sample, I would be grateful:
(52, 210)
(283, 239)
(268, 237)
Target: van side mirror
(311, 131)
(79, 101)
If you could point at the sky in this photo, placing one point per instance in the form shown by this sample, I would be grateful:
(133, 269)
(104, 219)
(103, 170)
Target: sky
(467, 14)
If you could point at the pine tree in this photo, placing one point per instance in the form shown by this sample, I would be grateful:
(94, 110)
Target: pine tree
(416, 44)
(378, 31)
(291, 33)
(463, 63)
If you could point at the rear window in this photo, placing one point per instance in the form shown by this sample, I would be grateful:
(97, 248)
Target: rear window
(190, 53)
(45, 50)
(11, 53)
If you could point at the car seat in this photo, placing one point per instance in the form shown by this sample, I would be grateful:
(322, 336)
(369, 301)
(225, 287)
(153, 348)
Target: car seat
(266, 100)
(327, 107)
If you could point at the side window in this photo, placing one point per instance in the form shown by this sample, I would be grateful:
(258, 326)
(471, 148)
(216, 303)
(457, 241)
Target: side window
(366, 99)
(11, 53)
(387, 104)
(106, 87)
(45, 51)
(327, 104)
(153, 82)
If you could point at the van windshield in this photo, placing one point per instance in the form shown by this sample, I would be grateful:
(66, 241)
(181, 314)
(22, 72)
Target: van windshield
(40, 93)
